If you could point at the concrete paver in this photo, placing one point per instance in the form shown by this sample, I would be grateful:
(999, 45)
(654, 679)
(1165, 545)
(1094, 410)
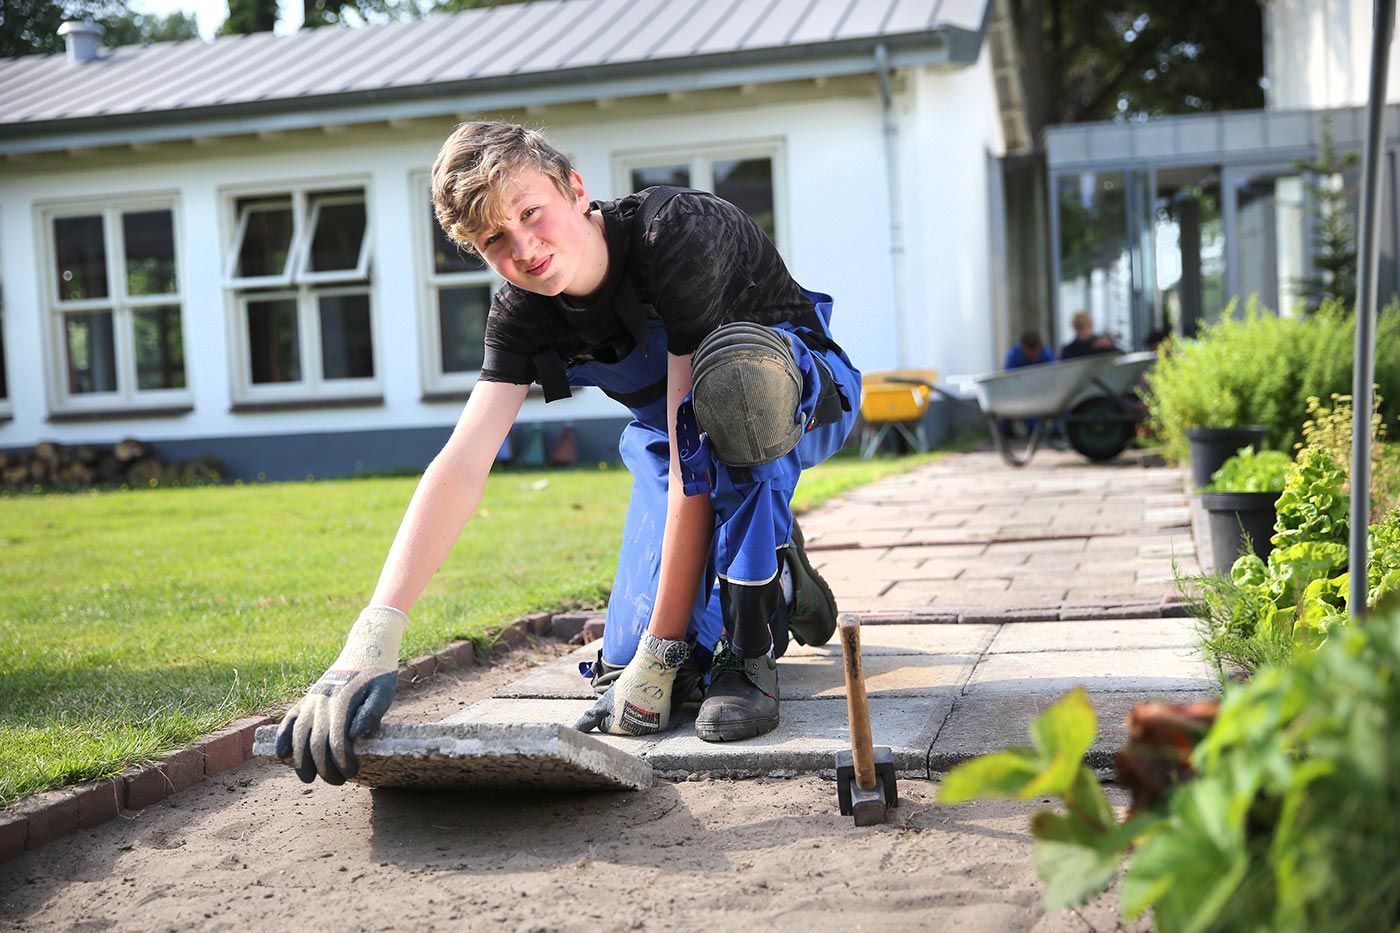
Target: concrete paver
(1066, 569)
(1148, 670)
(886, 675)
(1121, 634)
(990, 723)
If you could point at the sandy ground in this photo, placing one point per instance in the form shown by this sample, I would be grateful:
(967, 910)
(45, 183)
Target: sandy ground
(255, 848)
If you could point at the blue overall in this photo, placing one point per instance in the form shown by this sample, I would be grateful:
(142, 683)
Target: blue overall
(752, 506)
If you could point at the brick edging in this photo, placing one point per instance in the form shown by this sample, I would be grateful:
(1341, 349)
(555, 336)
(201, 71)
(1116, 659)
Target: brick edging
(43, 817)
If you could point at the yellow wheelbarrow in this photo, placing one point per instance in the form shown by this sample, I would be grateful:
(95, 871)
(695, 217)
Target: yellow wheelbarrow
(894, 401)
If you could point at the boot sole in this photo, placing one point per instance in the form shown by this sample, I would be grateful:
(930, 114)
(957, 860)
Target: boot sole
(800, 553)
(733, 731)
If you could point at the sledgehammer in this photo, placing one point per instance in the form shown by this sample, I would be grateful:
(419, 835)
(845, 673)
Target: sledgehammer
(865, 785)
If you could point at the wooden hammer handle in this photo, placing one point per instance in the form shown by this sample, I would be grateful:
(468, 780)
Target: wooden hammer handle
(857, 708)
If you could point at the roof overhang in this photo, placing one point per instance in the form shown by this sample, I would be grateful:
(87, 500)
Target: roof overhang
(945, 47)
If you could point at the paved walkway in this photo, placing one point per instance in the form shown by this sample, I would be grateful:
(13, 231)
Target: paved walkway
(986, 593)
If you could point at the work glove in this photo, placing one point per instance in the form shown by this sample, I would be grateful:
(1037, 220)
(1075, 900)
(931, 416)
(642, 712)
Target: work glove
(639, 701)
(347, 702)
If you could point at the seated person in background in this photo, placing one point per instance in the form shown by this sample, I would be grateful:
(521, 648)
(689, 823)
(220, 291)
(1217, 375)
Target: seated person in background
(1028, 351)
(1085, 341)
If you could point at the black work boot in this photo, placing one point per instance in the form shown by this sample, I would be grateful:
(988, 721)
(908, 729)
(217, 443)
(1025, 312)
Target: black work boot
(812, 617)
(742, 699)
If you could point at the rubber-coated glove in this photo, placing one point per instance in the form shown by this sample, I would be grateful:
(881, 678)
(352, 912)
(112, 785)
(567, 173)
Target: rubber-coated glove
(347, 702)
(639, 702)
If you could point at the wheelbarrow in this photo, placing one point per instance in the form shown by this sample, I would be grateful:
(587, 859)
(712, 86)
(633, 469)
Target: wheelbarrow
(1090, 395)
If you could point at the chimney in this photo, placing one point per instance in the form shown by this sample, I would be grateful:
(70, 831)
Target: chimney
(82, 39)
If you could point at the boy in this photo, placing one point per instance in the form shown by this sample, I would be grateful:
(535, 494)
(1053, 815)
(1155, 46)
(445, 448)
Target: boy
(676, 304)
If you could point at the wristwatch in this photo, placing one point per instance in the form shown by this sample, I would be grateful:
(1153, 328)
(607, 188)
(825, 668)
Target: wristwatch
(669, 652)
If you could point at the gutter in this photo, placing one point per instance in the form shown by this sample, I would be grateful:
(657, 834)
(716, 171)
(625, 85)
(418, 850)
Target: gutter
(892, 186)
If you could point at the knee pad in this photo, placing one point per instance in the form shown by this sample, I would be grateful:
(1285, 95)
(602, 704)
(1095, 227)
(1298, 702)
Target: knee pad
(746, 392)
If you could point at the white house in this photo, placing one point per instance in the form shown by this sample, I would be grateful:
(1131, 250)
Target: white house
(227, 248)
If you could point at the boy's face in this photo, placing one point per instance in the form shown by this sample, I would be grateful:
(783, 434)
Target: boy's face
(546, 239)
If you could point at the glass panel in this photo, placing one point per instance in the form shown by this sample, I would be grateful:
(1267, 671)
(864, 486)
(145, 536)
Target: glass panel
(1095, 256)
(92, 354)
(267, 240)
(748, 183)
(335, 244)
(160, 350)
(150, 253)
(347, 349)
(1190, 247)
(81, 250)
(274, 347)
(447, 256)
(4, 378)
(462, 327)
(660, 175)
(1271, 239)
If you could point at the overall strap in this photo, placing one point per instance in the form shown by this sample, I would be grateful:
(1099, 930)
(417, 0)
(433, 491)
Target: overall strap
(627, 303)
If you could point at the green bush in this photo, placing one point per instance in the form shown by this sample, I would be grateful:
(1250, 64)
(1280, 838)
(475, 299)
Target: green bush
(1248, 471)
(1286, 816)
(1255, 367)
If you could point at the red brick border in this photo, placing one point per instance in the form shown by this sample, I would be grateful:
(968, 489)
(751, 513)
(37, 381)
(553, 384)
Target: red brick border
(44, 817)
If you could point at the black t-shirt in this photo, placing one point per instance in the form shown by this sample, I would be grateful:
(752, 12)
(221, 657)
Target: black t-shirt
(703, 262)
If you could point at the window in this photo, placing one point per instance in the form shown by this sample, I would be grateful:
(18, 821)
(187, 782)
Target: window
(114, 296)
(299, 269)
(747, 177)
(458, 288)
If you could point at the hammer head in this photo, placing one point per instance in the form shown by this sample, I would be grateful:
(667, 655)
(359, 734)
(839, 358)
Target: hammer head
(868, 806)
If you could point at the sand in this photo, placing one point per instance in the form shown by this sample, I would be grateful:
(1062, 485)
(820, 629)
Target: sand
(255, 848)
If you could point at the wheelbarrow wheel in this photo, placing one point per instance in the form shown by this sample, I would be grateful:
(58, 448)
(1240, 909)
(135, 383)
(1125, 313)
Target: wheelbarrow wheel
(1098, 429)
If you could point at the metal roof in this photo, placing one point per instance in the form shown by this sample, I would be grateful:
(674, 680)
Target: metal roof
(505, 48)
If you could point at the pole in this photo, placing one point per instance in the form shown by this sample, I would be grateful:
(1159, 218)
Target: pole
(1363, 373)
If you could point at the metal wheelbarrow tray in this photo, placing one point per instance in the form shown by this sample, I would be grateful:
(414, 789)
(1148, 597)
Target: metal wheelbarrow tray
(1089, 394)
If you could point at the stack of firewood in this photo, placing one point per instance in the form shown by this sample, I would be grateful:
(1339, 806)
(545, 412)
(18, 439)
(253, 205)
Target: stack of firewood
(129, 463)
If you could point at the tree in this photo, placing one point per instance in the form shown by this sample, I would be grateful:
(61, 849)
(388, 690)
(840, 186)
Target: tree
(1334, 239)
(30, 27)
(316, 13)
(247, 16)
(130, 28)
(1130, 60)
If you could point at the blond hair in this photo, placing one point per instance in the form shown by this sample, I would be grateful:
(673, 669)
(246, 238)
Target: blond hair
(1081, 320)
(472, 171)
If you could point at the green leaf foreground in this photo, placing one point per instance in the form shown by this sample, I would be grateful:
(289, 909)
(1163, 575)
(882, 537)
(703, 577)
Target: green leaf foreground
(1292, 821)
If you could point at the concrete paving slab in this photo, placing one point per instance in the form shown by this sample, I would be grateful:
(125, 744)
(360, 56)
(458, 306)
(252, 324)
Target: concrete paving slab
(808, 736)
(978, 725)
(467, 755)
(1095, 635)
(886, 675)
(879, 639)
(559, 712)
(1147, 670)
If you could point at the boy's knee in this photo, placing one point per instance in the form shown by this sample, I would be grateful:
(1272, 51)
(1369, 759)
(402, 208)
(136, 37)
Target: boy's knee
(747, 390)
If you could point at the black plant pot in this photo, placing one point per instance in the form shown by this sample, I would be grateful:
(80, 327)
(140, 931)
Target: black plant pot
(1211, 447)
(1232, 516)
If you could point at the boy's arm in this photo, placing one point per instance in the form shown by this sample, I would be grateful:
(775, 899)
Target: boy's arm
(690, 520)
(351, 697)
(448, 494)
(639, 702)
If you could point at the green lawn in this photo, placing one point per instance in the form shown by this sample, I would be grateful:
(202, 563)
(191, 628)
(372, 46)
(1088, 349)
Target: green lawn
(134, 622)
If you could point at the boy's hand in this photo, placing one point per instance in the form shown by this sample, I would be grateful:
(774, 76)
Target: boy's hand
(639, 703)
(347, 702)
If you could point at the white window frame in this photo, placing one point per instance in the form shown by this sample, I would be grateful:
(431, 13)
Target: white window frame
(430, 284)
(118, 303)
(305, 287)
(701, 159)
(7, 409)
